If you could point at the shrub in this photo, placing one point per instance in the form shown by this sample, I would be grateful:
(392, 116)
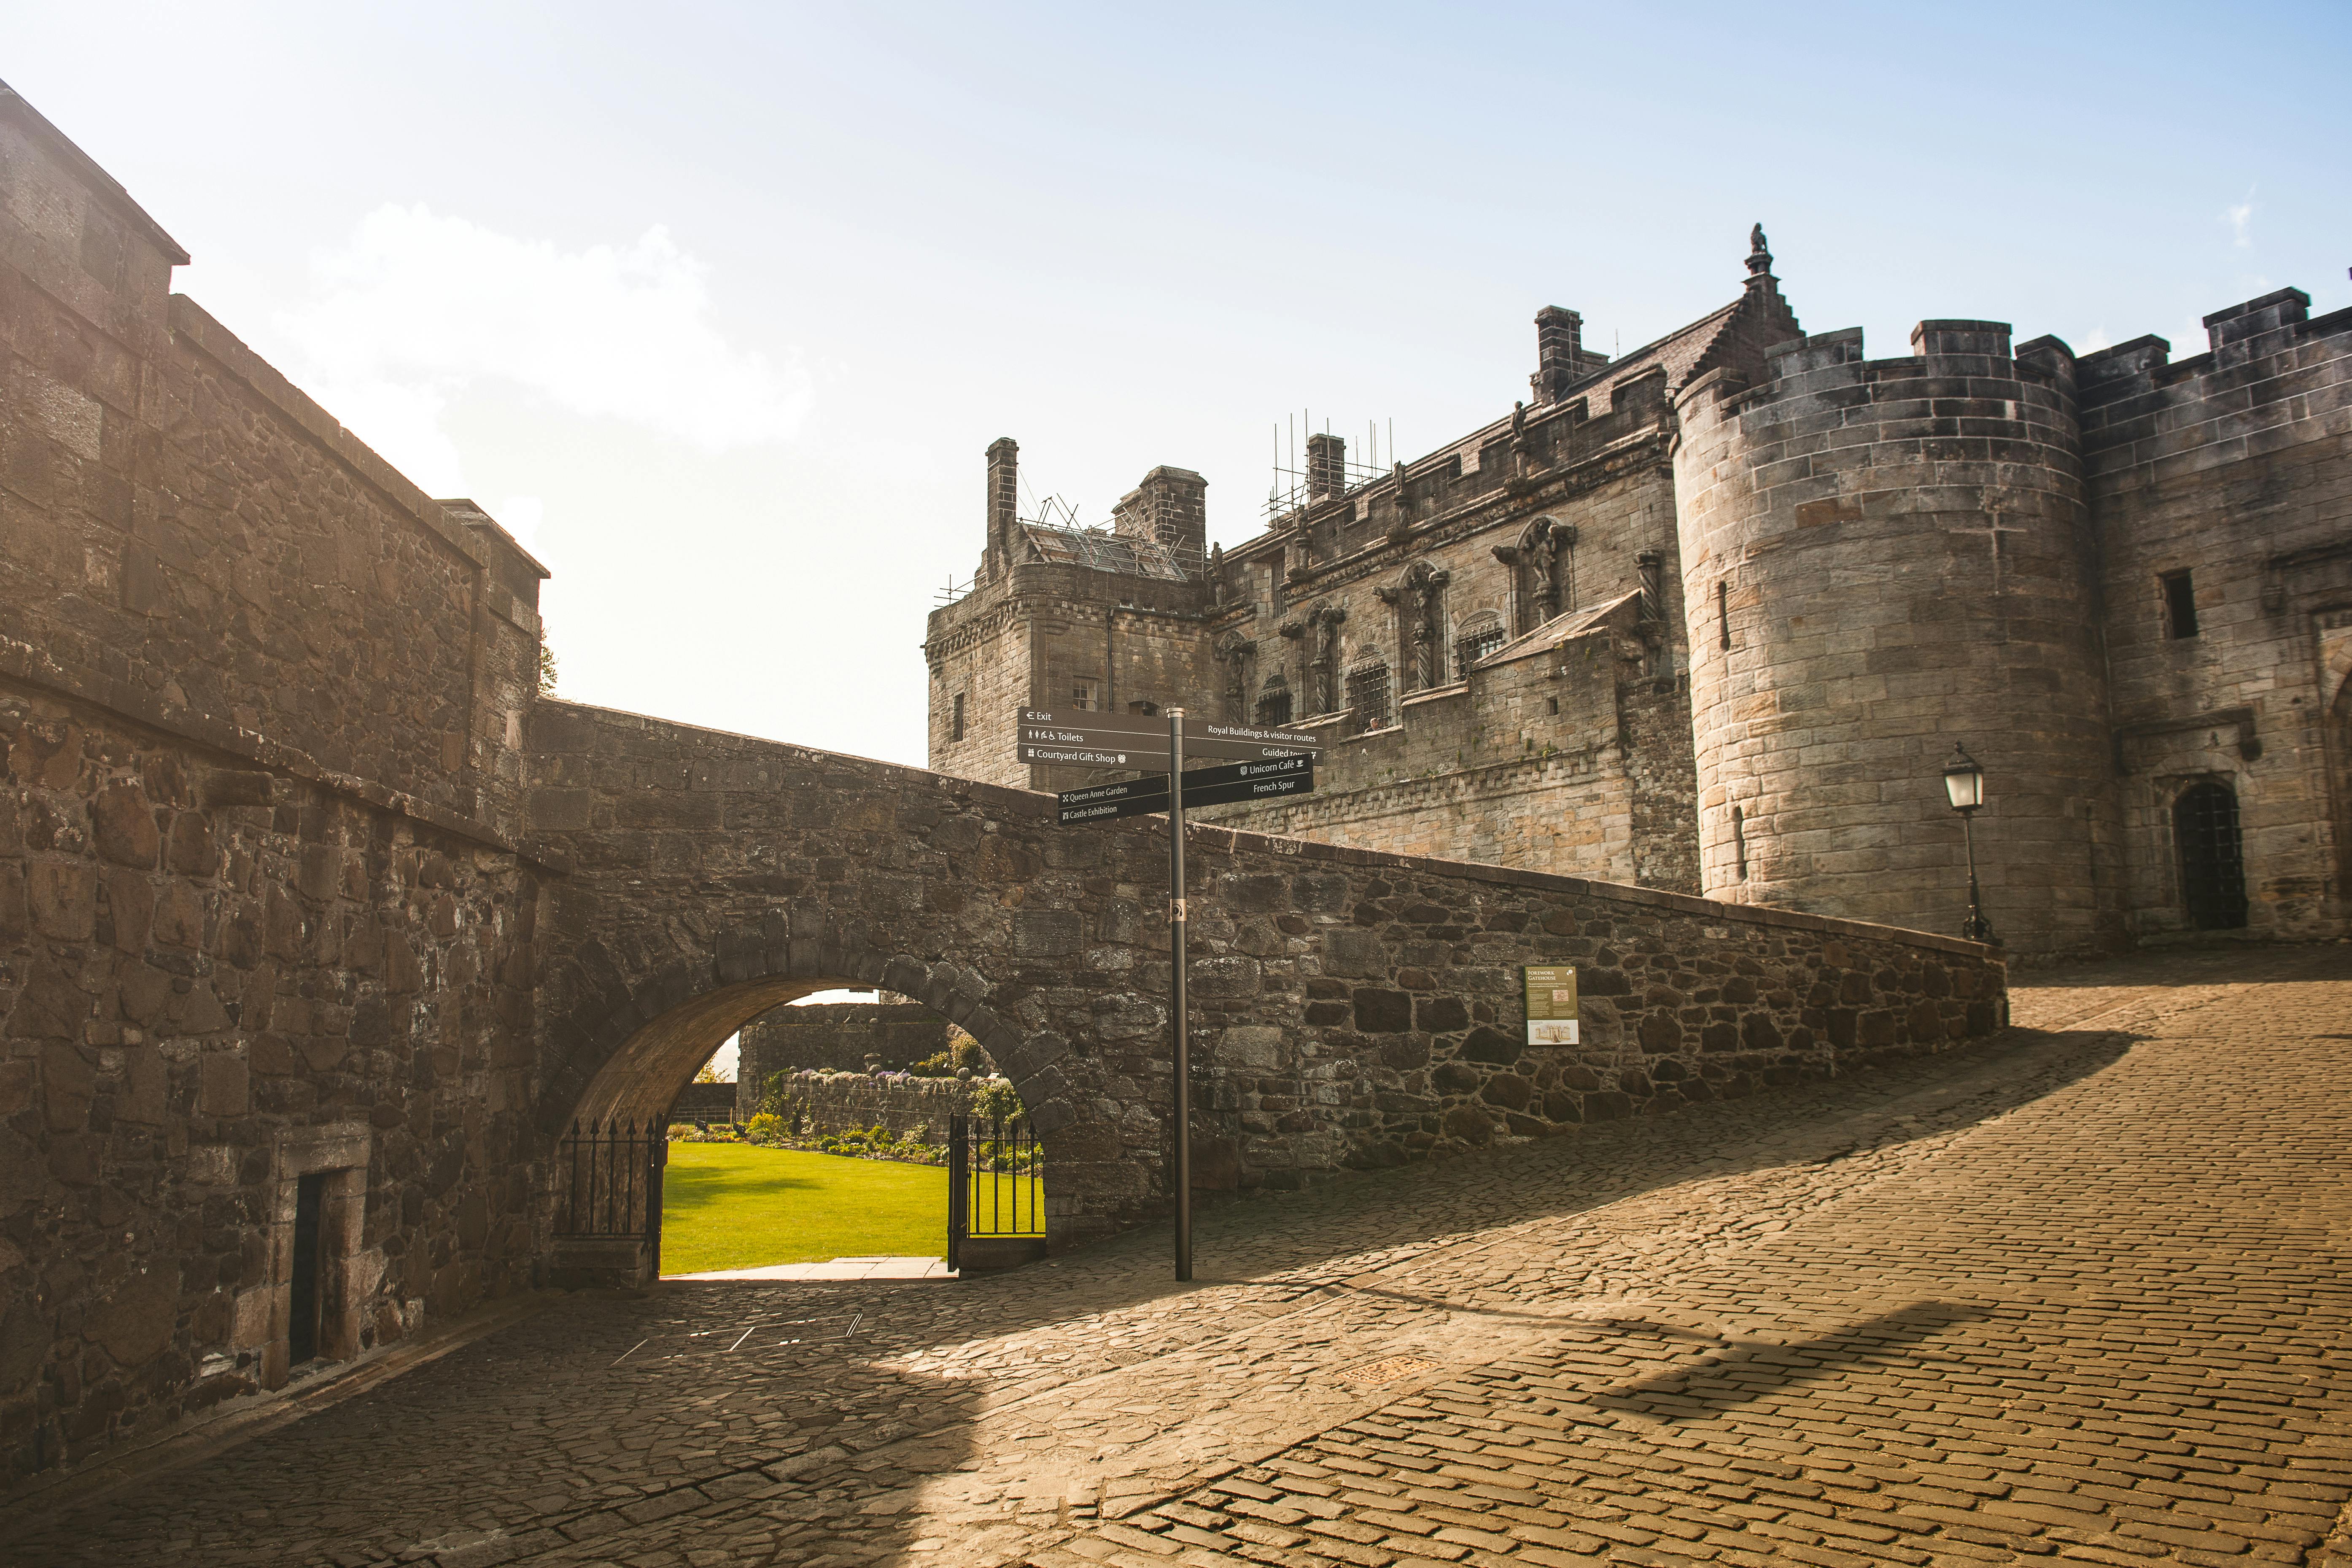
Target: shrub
(995, 1101)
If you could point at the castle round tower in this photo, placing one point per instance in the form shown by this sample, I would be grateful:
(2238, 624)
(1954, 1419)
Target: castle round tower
(1881, 559)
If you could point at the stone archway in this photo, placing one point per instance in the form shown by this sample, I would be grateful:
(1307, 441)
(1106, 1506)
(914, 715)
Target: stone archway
(632, 1063)
(628, 1068)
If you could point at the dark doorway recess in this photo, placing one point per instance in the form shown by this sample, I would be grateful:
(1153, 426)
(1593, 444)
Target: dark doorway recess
(2212, 859)
(303, 1327)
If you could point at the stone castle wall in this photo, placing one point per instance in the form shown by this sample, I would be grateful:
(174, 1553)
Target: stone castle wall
(263, 913)
(2233, 465)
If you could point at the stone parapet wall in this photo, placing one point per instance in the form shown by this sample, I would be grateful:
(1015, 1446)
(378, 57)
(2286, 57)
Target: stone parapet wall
(833, 1037)
(840, 1102)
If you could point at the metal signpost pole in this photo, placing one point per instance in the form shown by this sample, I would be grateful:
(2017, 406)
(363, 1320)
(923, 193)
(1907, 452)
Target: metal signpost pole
(1182, 1130)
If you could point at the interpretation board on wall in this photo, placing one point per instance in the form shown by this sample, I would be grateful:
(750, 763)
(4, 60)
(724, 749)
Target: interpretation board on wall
(1551, 991)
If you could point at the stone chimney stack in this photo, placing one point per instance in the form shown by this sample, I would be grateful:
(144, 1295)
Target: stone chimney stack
(1170, 507)
(1003, 502)
(1560, 352)
(1327, 466)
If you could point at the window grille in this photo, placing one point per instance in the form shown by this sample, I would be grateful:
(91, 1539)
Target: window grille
(1273, 706)
(1474, 646)
(1368, 697)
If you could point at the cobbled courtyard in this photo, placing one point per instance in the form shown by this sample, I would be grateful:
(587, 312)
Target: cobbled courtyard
(2083, 1294)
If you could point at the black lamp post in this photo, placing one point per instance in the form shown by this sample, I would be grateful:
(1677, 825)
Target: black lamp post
(1964, 782)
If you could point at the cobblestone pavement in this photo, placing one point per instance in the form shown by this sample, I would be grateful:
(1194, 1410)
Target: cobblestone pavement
(2080, 1294)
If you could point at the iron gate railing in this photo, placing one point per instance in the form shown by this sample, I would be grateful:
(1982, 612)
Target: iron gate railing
(995, 1181)
(609, 1178)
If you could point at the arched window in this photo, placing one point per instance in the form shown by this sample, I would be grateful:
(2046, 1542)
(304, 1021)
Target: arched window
(1479, 636)
(2212, 857)
(1367, 696)
(1274, 701)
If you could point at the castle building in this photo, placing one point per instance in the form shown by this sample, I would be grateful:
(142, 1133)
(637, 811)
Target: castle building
(1713, 617)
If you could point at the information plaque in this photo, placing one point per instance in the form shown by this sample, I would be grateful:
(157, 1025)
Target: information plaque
(1552, 1003)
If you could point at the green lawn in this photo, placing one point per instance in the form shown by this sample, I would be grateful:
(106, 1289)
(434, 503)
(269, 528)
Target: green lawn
(735, 1205)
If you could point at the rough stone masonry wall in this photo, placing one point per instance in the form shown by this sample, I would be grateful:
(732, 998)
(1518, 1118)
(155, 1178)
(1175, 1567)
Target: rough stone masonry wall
(835, 1037)
(841, 1102)
(2234, 465)
(260, 911)
(1353, 1008)
(1950, 484)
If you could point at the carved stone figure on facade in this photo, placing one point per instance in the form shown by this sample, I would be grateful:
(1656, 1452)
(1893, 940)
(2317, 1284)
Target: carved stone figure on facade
(1326, 620)
(1237, 654)
(1539, 550)
(1421, 593)
(1218, 586)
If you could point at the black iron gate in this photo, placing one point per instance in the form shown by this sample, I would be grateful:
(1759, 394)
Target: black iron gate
(997, 1189)
(2213, 856)
(609, 1181)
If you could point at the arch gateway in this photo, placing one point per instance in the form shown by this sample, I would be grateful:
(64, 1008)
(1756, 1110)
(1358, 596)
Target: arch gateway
(319, 924)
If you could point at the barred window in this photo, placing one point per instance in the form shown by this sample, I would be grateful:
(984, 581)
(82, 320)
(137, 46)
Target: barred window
(1273, 703)
(1476, 644)
(1367, 696)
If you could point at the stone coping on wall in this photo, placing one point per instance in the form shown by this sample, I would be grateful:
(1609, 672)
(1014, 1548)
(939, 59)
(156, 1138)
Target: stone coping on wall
(1040, 806)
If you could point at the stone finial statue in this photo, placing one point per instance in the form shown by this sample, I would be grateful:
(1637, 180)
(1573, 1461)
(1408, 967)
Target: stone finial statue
(1760, 259)
(1756, 241)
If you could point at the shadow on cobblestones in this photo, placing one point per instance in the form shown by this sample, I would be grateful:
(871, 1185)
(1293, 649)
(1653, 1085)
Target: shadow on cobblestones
(761, 1421)
(1750, 1369)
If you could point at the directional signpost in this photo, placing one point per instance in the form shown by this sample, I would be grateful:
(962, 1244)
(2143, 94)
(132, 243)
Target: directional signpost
(1262, 763)
(1234, 781)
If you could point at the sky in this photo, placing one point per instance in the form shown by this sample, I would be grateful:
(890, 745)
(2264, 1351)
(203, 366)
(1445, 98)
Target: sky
(717, 307)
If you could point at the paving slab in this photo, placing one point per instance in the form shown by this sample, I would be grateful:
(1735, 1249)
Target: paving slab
(2083, 1294)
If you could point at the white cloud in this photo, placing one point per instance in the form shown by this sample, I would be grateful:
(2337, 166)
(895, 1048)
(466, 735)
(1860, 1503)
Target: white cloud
(419, 307)
(2241, 217)
(2097, 340)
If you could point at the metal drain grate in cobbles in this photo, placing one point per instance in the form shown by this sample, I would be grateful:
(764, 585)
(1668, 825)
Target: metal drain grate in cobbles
(1389, 1369)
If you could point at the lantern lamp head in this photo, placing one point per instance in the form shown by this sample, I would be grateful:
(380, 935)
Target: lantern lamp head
(1964, 781)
